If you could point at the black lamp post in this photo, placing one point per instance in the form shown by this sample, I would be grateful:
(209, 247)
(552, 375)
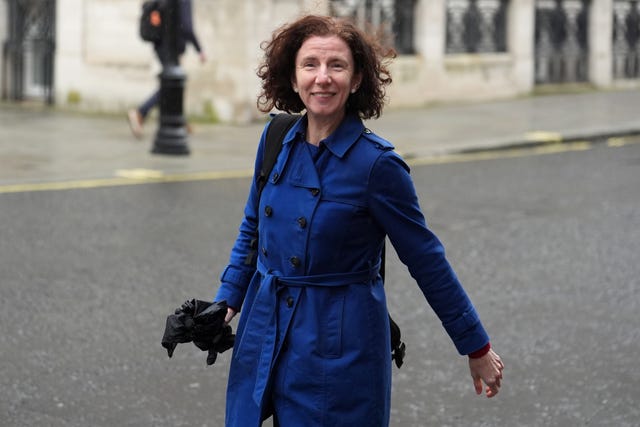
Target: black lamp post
(171, 137)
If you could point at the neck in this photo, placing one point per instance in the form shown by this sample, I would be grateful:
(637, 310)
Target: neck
(320, 128)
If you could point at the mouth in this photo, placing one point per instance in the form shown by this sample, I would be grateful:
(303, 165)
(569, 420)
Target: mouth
(323, 94)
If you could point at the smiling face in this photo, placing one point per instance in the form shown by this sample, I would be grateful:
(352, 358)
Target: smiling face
(325, 77)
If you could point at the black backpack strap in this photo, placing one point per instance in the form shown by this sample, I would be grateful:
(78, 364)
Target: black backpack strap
(280, 125)
(278, 128)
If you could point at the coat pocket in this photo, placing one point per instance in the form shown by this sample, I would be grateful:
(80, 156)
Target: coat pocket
(331, 337)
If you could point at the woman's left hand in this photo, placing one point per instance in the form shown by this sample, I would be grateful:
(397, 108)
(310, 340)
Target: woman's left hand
(487, 369)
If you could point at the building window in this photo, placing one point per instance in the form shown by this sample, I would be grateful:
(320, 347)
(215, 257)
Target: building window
(393, 17)
(561, 41)
(476, 26)
(29, 50)
(626, 39)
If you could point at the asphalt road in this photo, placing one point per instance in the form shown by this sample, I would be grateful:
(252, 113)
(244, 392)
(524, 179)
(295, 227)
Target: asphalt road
(547, 247)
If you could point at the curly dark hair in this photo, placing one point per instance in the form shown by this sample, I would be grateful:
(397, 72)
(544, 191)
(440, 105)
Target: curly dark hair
(371, 60)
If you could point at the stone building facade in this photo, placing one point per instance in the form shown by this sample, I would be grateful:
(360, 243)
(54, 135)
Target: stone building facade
(86, 54)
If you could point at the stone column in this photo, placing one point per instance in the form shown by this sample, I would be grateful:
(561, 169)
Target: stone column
(520, 42)
(70, 38)
(600, 43)
(430, 30)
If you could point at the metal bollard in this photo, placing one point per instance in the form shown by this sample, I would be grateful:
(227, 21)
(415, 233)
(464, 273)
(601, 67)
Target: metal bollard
(172, 136)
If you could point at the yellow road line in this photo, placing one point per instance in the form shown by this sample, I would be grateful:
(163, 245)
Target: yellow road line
(148, 176)
(622, 141)
(502, 154)
(543, 136)
(139, 173)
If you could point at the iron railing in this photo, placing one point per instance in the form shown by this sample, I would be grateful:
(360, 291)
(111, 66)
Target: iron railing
(28, 53)
(561, 41)
(626, 39)
(393, 17)
(476, 26)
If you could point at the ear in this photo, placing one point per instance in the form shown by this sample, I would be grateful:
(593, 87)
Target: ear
(294, 85)
(355, 84)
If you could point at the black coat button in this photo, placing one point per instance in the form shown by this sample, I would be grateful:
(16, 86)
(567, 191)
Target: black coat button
(302, 222)
(264, 251)
(289, 301)
(295, 261)
(315, 191)
(275, 177)
(268, 210)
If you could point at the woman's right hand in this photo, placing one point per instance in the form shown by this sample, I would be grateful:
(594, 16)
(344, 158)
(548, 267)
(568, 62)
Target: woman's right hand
(230, 315)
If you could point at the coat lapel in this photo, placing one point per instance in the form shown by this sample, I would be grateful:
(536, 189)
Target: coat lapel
(303, 172)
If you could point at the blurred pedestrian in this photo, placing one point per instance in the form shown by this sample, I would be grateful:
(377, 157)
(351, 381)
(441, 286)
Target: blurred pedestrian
(186, 34)
(312, 346)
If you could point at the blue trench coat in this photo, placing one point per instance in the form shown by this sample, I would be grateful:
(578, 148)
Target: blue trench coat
(313, 336)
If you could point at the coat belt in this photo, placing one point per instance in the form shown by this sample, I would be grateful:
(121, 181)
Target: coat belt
(258, 342)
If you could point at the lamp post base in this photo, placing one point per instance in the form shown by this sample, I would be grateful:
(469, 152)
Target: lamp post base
(171, 138)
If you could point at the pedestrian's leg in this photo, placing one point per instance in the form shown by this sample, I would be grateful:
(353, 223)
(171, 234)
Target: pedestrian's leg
(146, 106)
(135, 122)
(138, 115)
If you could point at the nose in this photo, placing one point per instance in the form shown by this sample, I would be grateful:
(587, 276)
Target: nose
(323, 75)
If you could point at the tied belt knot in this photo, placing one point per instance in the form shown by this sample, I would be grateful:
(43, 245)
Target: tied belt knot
(260, 333)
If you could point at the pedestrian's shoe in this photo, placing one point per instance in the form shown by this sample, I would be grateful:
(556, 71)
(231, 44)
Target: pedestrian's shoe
(135, 123)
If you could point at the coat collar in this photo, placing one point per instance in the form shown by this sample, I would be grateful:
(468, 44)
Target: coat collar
(339, 142)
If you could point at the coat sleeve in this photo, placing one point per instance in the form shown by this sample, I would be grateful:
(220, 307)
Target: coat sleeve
(394, 204)
(236, 276)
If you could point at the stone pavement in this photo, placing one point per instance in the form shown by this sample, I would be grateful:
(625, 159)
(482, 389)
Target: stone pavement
(40, 145)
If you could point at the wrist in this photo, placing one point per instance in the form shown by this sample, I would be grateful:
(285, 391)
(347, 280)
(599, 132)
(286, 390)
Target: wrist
(480, 352)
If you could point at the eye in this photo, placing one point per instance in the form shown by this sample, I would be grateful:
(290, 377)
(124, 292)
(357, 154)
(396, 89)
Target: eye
(308, 63)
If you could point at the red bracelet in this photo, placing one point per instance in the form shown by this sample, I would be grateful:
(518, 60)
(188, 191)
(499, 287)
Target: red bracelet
(479, 353)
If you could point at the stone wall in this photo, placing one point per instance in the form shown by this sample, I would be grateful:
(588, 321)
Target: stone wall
(102, 65)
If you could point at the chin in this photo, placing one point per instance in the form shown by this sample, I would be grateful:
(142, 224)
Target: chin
(326, 112)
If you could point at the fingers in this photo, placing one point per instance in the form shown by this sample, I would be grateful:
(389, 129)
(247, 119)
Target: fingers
(230, 314)
(493, 389)
(498, 362)
(477, 384)
(494, 384)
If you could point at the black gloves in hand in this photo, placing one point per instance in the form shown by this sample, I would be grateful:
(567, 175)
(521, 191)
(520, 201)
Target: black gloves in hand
(201, 322)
